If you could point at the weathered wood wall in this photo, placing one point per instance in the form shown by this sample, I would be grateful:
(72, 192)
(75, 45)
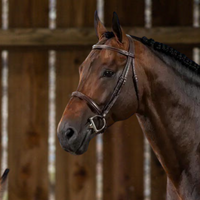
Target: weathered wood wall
(75, 175)
(28, 41)
(28, 107)
(0, 92)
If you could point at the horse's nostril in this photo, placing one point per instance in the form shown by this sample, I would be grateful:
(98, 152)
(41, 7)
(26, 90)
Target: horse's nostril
(69, 133)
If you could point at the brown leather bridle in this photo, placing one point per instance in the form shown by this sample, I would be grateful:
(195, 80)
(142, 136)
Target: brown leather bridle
(101, 113)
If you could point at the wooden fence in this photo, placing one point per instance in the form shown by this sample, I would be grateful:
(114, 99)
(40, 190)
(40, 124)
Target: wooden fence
(28, 41)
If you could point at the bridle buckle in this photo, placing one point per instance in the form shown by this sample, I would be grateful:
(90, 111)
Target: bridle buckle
(93, 125)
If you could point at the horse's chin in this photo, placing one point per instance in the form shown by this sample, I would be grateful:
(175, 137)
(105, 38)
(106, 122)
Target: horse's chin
(84, 144)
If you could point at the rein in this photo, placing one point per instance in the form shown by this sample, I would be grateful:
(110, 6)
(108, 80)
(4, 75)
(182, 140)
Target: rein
(101, 113)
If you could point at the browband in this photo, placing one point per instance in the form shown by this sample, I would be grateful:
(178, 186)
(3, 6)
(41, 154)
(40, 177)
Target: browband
(121, 51)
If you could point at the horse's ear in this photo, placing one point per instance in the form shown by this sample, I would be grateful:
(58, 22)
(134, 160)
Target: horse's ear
(99, 27)
(117, 29)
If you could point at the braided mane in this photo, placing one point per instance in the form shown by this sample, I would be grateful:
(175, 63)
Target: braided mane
(165, 49)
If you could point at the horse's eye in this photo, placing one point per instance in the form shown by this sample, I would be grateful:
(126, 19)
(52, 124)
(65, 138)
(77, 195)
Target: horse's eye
(108, 73)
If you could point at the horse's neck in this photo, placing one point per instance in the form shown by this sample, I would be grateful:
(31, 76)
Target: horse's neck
(171, 122)
(171, 191)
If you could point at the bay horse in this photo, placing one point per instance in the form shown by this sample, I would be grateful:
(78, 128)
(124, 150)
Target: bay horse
(125, 75)
(3, 183)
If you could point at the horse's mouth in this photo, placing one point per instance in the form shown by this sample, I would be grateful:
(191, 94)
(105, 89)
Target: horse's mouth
(85, 142)
(78, 148)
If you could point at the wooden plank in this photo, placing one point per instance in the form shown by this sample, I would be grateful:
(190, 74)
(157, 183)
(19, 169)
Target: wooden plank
(123, 161)
(1, 14)
(1, 66)
(172, 13)
(0, 91)
(123, 147)
(28, 126)
(29, 14)
(169, 13)
(75, 175)
(28, 107)
(86, 36)
(75, 14)
(199, 57)
(176, 13)
(130, 12)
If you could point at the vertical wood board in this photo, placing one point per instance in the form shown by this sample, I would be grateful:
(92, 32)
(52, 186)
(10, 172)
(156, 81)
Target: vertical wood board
(130, 13)
(75, 13)
(75, 175)
(1, 64)
(174, 13)
(1, 90)
(28, 107)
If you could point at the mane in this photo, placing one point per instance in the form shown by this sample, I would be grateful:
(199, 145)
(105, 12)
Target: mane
(171, 52)
(166, 50)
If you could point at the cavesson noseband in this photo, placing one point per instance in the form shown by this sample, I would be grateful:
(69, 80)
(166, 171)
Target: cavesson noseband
(101, 113)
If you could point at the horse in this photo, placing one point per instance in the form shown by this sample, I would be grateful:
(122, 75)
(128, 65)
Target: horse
(3, 182)
(125, 75)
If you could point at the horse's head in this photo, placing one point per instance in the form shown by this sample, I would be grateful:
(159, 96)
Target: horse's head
(107, 90)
